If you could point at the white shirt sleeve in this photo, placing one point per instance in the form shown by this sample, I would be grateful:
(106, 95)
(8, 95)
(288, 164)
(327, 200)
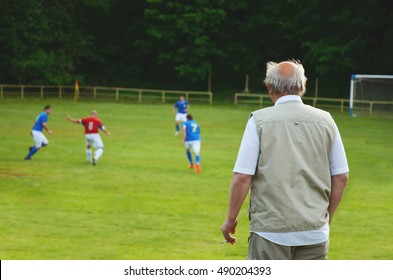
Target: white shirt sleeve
(338, 158)
(247, 158)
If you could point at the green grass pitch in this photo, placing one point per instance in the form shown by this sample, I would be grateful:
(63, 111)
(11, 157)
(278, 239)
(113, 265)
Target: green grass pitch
(141, 202)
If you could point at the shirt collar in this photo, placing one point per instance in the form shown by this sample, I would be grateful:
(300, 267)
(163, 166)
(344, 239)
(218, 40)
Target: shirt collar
(286, 98)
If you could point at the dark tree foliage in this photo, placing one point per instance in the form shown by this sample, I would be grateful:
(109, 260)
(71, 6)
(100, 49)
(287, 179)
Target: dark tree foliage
(181, 44)
(42, 41)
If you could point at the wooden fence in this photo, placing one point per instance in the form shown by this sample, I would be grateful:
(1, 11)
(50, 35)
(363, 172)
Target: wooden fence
(264, 100)
(114, 93)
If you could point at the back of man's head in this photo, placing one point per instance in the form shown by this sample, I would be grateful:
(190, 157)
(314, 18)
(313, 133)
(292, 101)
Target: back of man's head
(286, 77)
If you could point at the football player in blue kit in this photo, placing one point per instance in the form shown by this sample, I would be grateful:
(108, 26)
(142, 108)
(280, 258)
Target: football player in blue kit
(181, 109)
(37, 132)
(192, 141)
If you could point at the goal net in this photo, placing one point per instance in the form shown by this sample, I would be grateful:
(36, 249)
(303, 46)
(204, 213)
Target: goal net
(371, 94)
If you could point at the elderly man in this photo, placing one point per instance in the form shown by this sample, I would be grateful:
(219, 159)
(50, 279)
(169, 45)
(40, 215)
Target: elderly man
(293, 161)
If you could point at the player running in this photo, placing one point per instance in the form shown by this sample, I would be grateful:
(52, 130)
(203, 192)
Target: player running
(93, 138)
(180, 108)
(37, 132)
(192, 140)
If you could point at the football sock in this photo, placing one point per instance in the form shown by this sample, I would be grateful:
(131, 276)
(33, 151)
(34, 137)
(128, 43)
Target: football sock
(189, 156)
(88, 154)
(33, 150)
(98, 153)
(198, 159)
(177, 127)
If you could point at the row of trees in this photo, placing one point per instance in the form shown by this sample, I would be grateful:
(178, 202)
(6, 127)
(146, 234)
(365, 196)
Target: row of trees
(184, 44)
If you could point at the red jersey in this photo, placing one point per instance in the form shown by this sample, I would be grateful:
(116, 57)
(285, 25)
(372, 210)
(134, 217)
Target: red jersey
(91, 124)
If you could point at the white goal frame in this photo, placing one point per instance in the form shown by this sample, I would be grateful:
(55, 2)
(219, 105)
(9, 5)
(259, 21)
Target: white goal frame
(354, 77)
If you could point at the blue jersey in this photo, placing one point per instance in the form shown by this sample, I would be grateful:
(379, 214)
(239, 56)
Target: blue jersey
(181, 106)
(42, 118)
(192, 130)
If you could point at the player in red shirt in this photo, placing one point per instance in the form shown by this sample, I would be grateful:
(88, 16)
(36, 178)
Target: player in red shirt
(92, 125)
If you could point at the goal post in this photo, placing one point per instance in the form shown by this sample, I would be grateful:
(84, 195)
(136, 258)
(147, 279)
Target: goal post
(370, 92)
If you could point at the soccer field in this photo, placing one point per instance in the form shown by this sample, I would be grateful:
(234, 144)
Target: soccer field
(141, 202)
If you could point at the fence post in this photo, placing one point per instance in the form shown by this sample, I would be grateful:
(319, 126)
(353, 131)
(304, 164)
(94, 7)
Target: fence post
(314, 102)
(94, 93)
(1, 91)
(60, 92)
(163, 96)
(140, 96)
(117, 94)
(42, 92)
(22, 93)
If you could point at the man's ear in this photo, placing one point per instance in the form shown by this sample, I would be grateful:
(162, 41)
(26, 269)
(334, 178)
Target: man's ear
(273, 96)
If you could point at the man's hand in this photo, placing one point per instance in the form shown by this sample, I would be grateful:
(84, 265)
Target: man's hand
(227, 228)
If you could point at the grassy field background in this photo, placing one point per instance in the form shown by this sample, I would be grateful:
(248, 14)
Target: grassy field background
(141, 202)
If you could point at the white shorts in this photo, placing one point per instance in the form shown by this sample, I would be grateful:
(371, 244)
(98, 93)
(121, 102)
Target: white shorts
(181, 117)
(39, 138)
(194, 145)
(95, 140)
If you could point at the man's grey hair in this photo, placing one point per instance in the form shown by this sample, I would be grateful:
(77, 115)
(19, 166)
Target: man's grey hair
(289, 83)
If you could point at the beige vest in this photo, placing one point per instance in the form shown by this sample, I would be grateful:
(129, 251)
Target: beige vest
(291, 188)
